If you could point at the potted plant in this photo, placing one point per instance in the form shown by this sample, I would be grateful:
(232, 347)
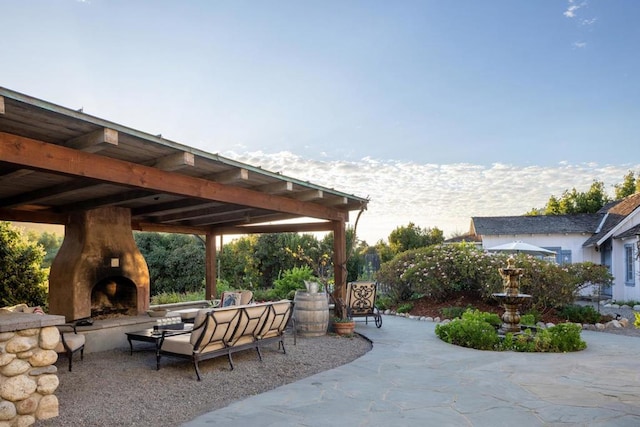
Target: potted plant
(343, 325)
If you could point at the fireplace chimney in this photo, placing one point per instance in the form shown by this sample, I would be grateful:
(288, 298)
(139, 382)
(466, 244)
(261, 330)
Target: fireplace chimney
(98, 269)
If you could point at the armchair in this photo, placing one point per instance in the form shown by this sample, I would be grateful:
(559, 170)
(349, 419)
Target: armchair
(70, 342)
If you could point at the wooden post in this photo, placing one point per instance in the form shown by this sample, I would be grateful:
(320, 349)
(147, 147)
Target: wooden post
(339, 262)
(210, 267)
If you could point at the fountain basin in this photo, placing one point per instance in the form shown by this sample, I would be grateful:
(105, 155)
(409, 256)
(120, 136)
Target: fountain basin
(507, 298)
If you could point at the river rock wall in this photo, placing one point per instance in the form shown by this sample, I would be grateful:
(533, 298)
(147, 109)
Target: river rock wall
(28, 376)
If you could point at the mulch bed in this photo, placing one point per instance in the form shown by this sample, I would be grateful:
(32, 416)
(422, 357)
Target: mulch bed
(429, 308)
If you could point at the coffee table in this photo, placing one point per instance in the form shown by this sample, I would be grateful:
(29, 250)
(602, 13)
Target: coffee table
(153, 336)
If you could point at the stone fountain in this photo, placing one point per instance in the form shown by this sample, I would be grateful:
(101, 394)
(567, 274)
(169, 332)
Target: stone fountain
(511, 298)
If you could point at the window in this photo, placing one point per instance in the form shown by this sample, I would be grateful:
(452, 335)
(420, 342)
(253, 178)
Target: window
(629, 278)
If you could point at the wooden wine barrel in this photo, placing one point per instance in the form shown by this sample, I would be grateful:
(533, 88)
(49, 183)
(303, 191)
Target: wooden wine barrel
(311, 313)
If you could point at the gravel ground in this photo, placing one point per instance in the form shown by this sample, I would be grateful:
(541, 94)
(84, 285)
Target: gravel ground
(114, 388)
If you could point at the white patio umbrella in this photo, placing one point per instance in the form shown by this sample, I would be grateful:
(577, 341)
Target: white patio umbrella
(521, 247)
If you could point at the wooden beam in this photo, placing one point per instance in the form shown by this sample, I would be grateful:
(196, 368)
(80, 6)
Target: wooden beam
(40, 217)
(169, 228)
(189, 214)
(172, 207)
(111, 200)
(52, 158)
(91, 143)
(16, 174)
(176, 161)
(253, 218)
(1, 104)
(308, 227)
(231, 176)
(205, 221)
(339, 263)
(210, 267)
(42, 194)
(95, 141)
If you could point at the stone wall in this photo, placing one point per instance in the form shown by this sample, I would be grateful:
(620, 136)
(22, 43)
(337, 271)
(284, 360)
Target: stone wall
(28, 376)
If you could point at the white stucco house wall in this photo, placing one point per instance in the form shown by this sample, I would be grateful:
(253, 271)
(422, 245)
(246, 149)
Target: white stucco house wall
(609, 237)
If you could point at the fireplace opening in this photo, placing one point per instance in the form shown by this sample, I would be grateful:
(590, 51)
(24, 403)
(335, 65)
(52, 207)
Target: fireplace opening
(113, 296)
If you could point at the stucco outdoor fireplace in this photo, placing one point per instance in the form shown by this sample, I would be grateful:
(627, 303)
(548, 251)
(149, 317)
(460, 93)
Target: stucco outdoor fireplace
(99, 270)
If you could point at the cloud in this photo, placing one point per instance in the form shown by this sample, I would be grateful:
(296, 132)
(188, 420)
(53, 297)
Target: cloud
(588, 22)
(572, 8)
(579, 45)
(437, 195)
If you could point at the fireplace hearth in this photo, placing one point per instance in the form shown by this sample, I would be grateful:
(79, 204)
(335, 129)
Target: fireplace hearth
(99, 270)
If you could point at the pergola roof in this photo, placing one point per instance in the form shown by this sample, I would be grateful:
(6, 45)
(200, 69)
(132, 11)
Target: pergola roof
(54, 160)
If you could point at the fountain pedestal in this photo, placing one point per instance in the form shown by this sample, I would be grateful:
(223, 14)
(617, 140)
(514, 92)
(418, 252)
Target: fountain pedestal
(511, 298)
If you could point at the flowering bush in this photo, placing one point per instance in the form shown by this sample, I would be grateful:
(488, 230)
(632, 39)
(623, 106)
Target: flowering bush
(440, 271)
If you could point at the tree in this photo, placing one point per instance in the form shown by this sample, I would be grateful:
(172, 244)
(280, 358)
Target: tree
(384, 251)
(628, 186)
(553, 206)
(50, 242)
(274, 254)
(22, 279)
(412, 237)
(237, 264)
(575, 202)
(175, 261)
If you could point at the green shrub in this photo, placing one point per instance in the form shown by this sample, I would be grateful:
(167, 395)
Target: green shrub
(22, 280)
(262, 295)
(405, 308)
(630, 302)
(384, 303)
(561, 338)
(565, 337)
(290, 281)
(580, 314)
(537, 316)
(490, 318)
(174, 297)
(522, 342)
(527, 319)
(476, 329)
(472, 333)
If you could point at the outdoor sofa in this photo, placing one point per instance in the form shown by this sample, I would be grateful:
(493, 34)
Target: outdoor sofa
(226, 330)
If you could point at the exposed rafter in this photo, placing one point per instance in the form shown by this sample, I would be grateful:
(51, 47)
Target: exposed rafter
(231, 176)
(112, 200)
(177, 161)
(309, 195)
(276, 187)
(43, 194)
(95, 141)
(56, 159)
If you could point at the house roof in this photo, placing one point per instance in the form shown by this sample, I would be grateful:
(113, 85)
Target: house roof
(55, 160)
(616, 212)
(631, 232)
(599, 225)
(541, 224)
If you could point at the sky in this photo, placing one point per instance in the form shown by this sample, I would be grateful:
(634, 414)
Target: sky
(436, 110)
